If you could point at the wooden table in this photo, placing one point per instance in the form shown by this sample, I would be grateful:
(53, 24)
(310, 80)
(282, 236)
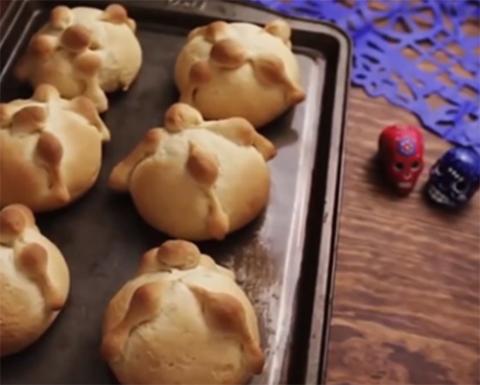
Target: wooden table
(407, 286)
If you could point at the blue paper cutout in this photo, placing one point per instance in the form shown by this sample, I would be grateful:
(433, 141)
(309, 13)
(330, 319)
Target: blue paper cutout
(399, 47)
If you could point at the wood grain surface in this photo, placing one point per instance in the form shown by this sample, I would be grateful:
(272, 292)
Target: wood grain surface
(406, 304)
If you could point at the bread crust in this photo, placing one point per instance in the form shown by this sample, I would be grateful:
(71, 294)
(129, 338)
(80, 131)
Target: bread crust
(182, 319)
(34, 280)
(84, 51)
(50, 149)
(197, 179)
(239, 69)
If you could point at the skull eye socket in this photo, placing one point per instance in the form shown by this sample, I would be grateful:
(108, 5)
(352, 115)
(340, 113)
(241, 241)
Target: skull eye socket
(461, 186)
(415, 165)
(398, 166)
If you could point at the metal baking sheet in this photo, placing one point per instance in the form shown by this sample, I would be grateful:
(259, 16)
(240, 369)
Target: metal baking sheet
(282, 259)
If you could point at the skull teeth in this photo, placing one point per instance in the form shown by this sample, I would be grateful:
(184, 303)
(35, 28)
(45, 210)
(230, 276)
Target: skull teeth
(438, 196)
(404, 185)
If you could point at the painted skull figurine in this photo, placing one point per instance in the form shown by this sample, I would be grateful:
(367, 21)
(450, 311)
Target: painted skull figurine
(401, 153)
(455, 177)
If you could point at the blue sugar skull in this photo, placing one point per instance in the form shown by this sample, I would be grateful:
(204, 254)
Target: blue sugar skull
(455, 177)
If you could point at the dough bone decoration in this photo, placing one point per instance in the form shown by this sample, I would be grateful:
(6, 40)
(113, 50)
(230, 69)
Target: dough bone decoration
(197, 179)
(34, 280)
(181, 320)
(51, 149)
(239, 69)
(84, 51)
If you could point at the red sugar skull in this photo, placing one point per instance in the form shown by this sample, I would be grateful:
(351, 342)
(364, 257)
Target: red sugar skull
(401, 153)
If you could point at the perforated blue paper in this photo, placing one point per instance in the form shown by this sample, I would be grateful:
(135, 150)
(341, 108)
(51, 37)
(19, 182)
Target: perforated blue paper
(420, 55)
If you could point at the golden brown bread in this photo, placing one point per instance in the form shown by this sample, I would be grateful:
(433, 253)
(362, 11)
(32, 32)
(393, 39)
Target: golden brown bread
(181, 320)
(84, 51)
(34, 280)
(50, 149)
(239, 69)
(197, 179)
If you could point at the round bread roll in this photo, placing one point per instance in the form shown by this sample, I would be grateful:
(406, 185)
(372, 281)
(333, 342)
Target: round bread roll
(239, 69)
(34, 280)
(51, 149)
(181, 320)
(84, 51)
(197, 180)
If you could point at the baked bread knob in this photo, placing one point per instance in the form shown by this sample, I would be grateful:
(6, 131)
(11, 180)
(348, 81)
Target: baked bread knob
(34, 280)
(84, 51)
(51, 149)
(197, 179)
(239, 69)
(181, 320)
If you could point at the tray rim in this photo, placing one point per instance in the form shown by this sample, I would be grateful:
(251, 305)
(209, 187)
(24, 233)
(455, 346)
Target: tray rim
(322, 301)
(321, 315)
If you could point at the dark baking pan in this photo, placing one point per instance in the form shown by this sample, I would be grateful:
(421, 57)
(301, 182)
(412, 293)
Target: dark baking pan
(283, 259)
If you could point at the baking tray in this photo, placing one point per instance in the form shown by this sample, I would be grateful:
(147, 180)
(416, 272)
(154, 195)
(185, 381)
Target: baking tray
(283, 259)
